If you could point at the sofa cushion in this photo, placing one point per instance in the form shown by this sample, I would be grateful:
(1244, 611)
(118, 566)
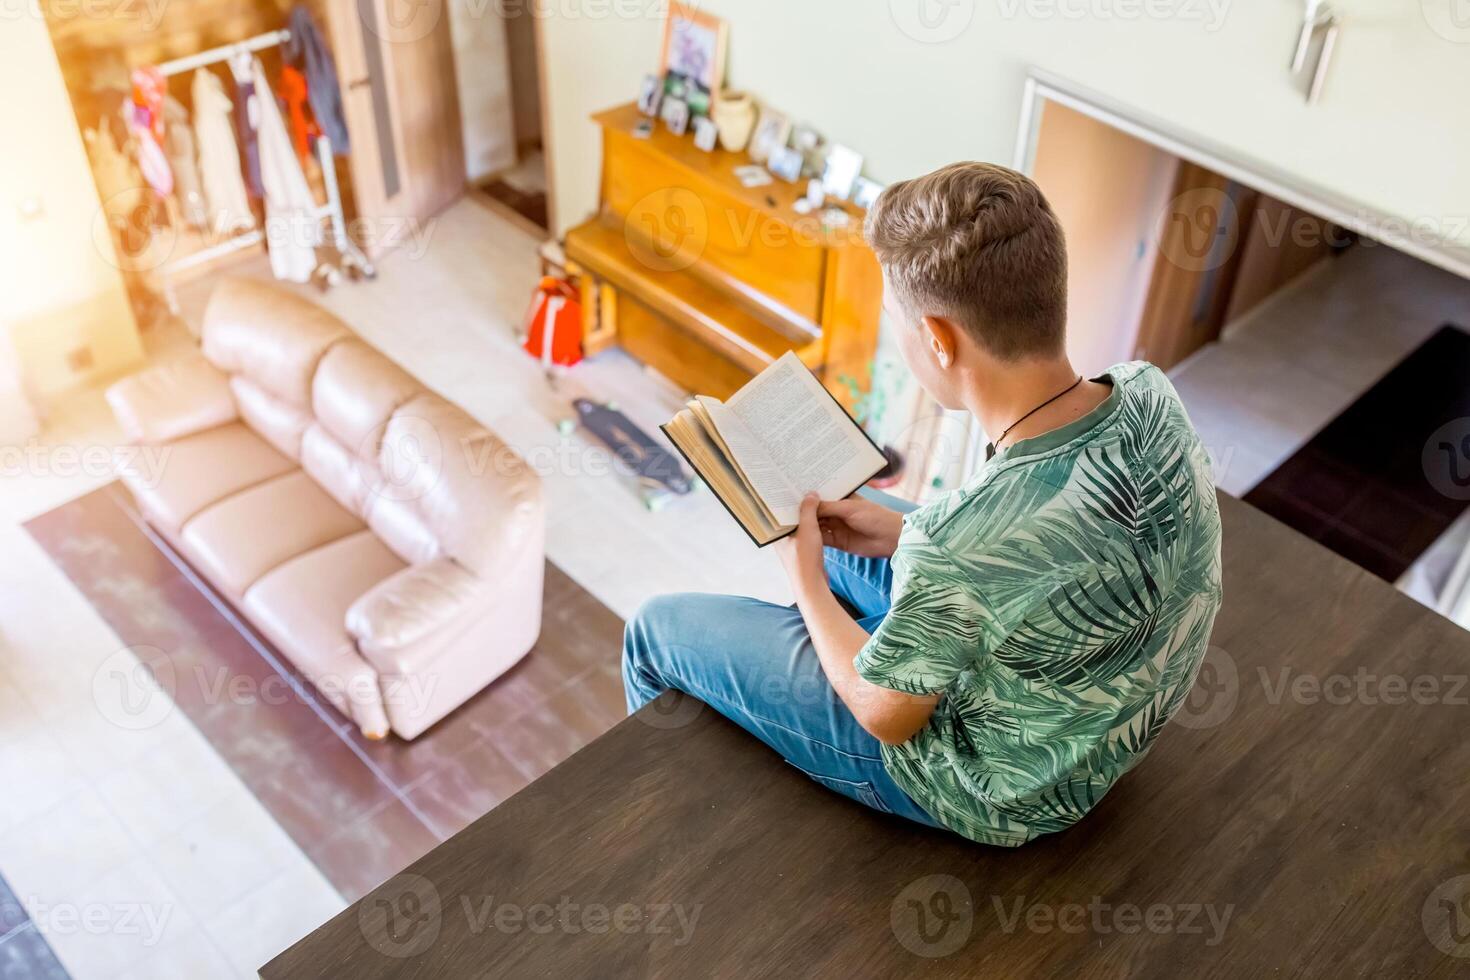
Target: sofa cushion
(302, 606)
(280, 423)
(355, 391)
(202, 469)
(273, 337)
(238, 540)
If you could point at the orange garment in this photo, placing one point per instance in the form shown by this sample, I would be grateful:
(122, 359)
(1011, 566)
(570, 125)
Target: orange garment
(293, 93)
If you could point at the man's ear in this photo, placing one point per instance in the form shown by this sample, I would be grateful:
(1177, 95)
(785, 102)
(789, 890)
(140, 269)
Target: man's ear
(940, 336)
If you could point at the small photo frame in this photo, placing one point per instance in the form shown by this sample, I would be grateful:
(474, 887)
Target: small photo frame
(843, 168)
(865, 192)
(675, 114)
(771, 134)
(694, 51)
(785, 162)
(706, 133)
(651, 95)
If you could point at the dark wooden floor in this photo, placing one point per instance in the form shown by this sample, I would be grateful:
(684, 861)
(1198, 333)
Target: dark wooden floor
(1276, 829)
(1367, 486)
(360, 810)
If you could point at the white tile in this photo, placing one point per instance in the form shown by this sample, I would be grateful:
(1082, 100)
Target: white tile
(56, 853)
(192, 956)
(160, 792)
(115, 922)
(262, 924)
(223, 854)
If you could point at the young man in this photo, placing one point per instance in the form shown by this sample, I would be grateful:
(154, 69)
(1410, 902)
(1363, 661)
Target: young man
(1020, 642)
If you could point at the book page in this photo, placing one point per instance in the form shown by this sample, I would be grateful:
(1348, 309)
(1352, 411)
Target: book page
(710, 462)
(754, 462)
(805, 435)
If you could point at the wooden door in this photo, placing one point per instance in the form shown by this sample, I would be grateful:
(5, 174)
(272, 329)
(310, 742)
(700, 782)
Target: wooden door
(396, 66)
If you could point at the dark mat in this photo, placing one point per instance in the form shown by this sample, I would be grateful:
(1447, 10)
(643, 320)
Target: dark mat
(360, 810)
(530, 205)
(1390, 474)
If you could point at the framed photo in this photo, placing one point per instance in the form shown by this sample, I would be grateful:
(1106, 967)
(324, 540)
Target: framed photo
(843, 168)
(650, 95)
(694, 55)
(706, 133)
(675, 115)
(865, 192)
(771, 134)
(786, 163)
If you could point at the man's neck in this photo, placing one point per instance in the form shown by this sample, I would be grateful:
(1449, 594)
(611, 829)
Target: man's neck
(1009, 391)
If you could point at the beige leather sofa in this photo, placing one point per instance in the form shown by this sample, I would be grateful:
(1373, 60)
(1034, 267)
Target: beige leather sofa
(378, 536)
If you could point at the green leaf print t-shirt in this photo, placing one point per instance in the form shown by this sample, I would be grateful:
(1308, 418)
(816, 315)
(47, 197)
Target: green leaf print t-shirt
(1061, 603)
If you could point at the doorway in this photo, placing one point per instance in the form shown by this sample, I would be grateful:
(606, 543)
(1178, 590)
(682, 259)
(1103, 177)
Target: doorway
(498, 58)
(1320, 358)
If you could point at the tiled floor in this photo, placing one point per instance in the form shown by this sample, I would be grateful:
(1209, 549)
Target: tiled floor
(1296, 362)
(1359, 486)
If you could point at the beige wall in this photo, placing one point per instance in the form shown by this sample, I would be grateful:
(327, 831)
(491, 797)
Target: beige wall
(1387, 132)
(62, 288)
(1110, 191)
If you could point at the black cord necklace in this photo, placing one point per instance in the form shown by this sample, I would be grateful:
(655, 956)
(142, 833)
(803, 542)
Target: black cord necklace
(990, 446)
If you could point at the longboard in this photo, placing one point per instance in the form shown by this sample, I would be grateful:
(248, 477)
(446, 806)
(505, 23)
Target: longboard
(660, 474)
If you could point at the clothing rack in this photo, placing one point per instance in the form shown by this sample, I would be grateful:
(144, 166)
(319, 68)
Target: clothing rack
(331, 210)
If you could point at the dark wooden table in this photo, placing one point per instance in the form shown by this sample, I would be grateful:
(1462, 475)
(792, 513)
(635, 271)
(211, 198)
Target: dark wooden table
(1307, 815)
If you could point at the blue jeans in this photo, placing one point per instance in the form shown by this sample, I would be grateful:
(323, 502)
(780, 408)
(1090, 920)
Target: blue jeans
(753, 662)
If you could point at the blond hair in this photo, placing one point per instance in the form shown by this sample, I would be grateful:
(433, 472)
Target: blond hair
(978, 244)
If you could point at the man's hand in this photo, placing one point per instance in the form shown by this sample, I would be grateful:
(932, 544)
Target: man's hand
(860, 527)
(801, 552)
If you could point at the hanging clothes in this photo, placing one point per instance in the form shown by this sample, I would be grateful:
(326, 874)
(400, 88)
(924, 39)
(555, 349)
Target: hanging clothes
(219, 158)
(178, 143)
(294, 94)
(247, 121)
(309, 54)
(292, 230)
(146, 123)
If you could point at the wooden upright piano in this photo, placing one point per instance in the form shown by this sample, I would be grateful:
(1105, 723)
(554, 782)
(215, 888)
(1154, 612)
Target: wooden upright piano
(708, 281)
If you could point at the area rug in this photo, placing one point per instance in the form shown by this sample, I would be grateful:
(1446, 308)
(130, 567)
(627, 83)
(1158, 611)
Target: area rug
(1390, 474)
(360, 810)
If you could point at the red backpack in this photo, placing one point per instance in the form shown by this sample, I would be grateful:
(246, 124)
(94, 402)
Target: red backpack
(554, 324)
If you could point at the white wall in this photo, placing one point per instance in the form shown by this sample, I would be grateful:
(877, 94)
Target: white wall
(1389, 132)
(61, 286)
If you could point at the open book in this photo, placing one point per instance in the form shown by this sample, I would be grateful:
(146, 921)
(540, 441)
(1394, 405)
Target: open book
(780, 437)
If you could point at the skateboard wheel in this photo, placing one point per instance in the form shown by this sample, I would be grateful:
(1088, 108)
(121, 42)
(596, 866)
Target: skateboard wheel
(566, 426)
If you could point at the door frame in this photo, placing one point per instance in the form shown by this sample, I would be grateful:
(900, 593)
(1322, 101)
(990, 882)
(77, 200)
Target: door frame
(1042, 86)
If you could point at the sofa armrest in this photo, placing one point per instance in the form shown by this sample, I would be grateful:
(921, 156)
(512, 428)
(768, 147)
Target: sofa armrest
(396, 616)
(172, 400)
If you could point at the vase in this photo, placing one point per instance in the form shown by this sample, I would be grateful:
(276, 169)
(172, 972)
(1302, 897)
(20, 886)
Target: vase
(734, 116)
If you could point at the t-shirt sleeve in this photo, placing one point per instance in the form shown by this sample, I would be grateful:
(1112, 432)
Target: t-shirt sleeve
(935, 630)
